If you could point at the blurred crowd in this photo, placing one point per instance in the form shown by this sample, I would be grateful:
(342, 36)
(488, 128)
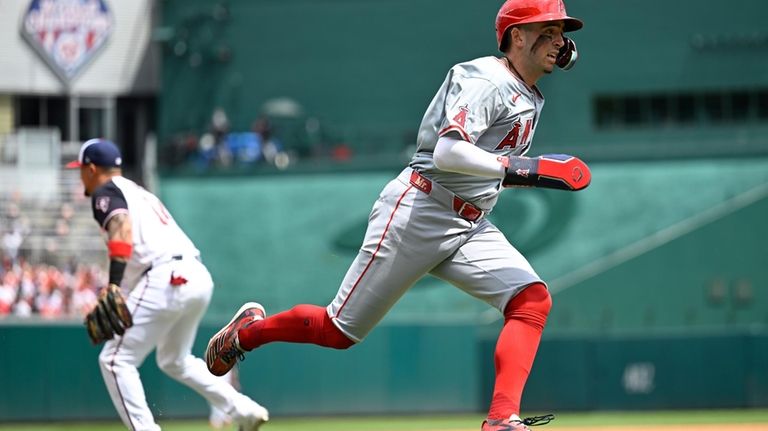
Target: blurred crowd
(48, 291)
(277, 140)
(39, 275)
(221, 146)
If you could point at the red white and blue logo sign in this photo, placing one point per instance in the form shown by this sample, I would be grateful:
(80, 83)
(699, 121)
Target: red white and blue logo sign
(67, 33)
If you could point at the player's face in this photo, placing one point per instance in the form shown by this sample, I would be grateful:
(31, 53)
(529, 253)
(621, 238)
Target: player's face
(544, 40)
(87, 176)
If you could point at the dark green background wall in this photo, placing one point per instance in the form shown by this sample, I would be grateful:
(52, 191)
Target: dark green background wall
(367, 69)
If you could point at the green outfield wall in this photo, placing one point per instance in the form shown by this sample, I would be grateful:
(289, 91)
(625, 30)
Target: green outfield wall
(401, 369)
(672, 83)
(657, 272)
(649, 245)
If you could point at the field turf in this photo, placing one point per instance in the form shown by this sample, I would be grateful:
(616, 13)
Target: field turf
(753, 419)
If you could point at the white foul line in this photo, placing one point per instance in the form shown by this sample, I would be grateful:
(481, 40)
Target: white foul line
(659, 238)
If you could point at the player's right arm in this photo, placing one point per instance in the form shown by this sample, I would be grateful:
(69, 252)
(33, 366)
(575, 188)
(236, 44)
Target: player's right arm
(454, 154)
(557, 171)
(471, 105)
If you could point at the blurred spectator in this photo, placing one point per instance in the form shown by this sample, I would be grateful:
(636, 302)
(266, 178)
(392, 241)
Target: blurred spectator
(84, 296)
(65, 219)
(219, 131)
(8, 292)
(11, 242)
(183, 148)
(23, 307)
(245, 148)
(48, 301)
(341, 152)
(271, 146)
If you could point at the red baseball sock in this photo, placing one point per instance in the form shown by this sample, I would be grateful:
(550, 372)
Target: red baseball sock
(300, 324)
(524, 319)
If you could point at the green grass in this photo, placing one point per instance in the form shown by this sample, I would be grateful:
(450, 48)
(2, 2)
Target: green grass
(435, 423)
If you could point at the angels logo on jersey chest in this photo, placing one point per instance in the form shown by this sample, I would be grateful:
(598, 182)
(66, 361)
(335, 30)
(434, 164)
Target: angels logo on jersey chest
(518, 136)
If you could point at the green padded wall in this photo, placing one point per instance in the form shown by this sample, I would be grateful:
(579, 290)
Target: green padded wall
(643, 371)
(393, 371)
(653, 233)
(396, 371)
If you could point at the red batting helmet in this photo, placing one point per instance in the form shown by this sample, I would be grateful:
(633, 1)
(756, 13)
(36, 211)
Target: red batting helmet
(514, 12)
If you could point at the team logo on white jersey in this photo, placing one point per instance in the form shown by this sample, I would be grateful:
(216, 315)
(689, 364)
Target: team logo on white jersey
(102, 203)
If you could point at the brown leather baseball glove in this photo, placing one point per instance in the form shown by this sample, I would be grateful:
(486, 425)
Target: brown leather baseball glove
(110, 316)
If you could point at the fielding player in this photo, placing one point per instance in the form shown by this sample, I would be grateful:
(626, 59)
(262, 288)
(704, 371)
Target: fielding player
(168, 290)
(431, 218)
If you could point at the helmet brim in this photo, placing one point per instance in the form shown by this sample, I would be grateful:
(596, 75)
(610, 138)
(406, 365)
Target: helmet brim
(572, 24)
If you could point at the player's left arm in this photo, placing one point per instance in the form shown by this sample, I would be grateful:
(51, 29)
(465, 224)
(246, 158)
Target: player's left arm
(111, 315)
(110, 210)
(120, 245)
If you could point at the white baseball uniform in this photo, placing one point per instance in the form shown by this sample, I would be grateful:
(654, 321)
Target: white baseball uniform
(168, 290)
(432, 221)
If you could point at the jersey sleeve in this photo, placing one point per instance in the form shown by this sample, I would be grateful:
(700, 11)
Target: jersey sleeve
(108, 201)
(471, 106)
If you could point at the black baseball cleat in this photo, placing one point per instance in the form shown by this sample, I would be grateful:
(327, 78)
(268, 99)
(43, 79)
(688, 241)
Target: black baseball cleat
(224, 349)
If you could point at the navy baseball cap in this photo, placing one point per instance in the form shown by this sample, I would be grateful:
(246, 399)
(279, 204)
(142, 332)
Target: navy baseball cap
(100, 152)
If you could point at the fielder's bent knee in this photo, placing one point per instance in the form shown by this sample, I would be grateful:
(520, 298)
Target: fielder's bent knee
(107, 360)
(172, 368)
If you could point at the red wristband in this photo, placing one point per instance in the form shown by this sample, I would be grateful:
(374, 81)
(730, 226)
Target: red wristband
(119, 249)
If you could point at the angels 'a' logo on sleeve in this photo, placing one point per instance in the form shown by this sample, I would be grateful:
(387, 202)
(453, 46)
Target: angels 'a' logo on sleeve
(458, 124)
(461, 118)
(102, 204)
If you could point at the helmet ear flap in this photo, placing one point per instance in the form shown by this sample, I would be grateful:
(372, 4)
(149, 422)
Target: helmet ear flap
(506, 40)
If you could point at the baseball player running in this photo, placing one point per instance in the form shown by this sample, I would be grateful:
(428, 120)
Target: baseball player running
(168, 290)
(431, 218)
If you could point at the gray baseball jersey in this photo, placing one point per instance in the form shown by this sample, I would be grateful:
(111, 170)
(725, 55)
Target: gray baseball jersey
(418, 224)
(486, 105)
